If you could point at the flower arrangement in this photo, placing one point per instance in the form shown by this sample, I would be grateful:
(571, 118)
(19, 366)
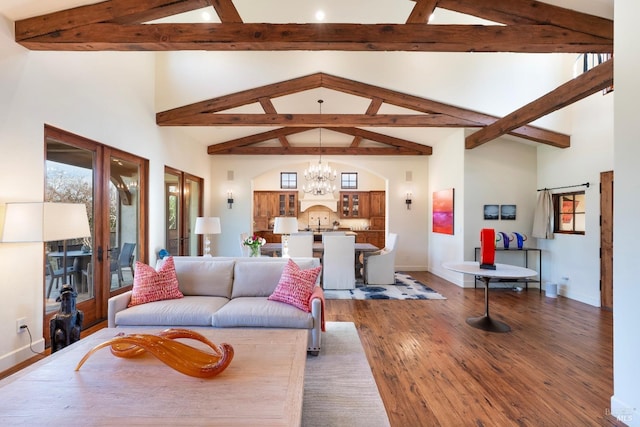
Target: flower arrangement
(254, 242)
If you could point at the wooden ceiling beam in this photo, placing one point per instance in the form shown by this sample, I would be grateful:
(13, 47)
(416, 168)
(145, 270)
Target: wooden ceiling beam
(332, 151)
(269, 108)
(473, 118)
(384, 139)
(226, 11)
(254, 139)
(588, 83)
(421, 12)
(321, 120)
(114, 11)
(372, 109)
(241, 98)
(518, 12)
(314, 37)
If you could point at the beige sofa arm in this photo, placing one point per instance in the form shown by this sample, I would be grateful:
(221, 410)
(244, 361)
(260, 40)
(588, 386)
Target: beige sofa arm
(116, 304)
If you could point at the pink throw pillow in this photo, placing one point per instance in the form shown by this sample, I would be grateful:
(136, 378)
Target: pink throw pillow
(296, 286)
(150, 285)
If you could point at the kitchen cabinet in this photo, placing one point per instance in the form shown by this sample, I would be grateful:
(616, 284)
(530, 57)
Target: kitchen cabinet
(354, 204)
(265, 205)
(377, 210)
(288, 203)
(269, 204)
(375, 237)
(376, 204)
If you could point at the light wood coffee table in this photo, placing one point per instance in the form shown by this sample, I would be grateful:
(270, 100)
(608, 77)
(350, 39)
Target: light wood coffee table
(263, 385)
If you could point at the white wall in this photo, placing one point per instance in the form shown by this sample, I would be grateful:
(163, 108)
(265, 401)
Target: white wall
(107, 97)
(591, 152)
(500, 172)
(446, 170)
(625, 402)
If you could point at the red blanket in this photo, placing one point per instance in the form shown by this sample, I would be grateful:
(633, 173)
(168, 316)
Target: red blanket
(319, 293)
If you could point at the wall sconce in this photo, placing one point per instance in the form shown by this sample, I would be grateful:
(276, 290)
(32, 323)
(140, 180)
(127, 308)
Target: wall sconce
(408, 201)
(230, 199)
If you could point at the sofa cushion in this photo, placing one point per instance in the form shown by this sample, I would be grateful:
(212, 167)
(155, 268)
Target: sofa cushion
(259, 278)
(257, 312)
(205, 276)
(150, 285)
(296, 285)
(188, 311)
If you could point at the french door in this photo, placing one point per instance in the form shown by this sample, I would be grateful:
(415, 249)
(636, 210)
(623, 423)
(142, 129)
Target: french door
(112, 184)
(183, 198)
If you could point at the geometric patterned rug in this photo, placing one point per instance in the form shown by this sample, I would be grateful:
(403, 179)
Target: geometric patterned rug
(405, 288)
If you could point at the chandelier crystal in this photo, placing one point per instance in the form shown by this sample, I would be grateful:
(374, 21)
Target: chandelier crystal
(319, 177)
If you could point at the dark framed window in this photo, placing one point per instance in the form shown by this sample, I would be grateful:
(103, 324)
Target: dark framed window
(288, 180)
(569, 213)
(349, 180)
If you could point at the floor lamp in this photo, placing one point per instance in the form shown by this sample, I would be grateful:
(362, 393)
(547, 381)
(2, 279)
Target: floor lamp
(285, 225)
(207, 225)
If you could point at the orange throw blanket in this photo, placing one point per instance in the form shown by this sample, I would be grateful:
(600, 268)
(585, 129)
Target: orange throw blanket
(319, 293)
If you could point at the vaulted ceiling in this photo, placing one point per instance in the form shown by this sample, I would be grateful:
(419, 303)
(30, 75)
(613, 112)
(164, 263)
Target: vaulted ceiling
(517, 26)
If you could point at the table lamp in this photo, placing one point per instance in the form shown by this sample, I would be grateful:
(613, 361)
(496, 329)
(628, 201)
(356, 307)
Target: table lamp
(285, 225)
(45, 222)
(49, 222)
(207, 225)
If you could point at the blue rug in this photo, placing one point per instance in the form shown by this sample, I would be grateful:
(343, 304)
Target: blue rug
(405, 288)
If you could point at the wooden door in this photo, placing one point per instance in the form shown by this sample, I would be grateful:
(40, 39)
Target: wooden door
(113, 186)
(183, 204)
(606, 240)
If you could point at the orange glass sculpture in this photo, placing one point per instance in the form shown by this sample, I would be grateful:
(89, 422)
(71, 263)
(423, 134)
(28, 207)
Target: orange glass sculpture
(181, 357)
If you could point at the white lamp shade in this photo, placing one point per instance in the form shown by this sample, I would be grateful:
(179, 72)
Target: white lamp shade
(207, 225)
(44, 222)
(285, 225)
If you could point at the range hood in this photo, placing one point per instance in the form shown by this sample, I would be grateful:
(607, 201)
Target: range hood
(326, 200)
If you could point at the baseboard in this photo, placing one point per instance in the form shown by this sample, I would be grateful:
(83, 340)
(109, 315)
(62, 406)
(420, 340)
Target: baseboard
(19, 355)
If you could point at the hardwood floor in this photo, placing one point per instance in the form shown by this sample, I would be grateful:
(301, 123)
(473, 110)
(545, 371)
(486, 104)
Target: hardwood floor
(553, 369)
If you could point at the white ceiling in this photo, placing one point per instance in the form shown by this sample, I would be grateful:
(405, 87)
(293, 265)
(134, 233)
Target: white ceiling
(474, 81)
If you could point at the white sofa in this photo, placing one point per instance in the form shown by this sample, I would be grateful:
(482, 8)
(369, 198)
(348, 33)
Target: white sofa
(224, 292)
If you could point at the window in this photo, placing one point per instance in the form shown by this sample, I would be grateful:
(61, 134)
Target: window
(288, 180)
(569, 213)
(349, 180)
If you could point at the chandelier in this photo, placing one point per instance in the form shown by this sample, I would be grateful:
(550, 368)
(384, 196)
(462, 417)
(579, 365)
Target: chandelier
(319, 177)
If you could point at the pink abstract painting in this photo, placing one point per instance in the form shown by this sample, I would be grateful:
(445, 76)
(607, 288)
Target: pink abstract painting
(443, 211)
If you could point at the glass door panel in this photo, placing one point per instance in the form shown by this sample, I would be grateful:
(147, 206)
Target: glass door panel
(183, 204)
(124, 219)
(173, 211)
(69, 179)
(193, 209)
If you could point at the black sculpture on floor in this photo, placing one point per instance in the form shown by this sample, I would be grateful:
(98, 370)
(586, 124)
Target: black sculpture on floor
(65, 326)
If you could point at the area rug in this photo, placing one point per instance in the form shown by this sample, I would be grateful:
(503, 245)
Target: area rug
(405, 288)
(339, 389)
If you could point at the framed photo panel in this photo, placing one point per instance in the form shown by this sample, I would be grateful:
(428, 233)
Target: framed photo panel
(491, 212)
(508, 212)
(443, 211)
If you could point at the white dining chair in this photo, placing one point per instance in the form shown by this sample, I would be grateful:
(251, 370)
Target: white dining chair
(300, 245)
(332, 233)
(338, 262)
(379, 267)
